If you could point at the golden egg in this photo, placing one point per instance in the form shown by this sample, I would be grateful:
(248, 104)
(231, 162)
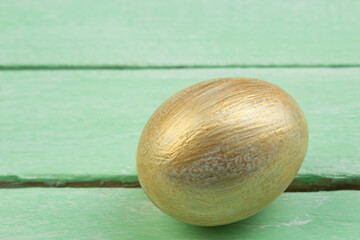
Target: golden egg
(221, 150)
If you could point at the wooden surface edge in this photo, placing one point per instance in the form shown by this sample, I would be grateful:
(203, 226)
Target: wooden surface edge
(69, 213)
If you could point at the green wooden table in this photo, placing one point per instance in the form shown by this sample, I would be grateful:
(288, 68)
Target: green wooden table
(79, 79)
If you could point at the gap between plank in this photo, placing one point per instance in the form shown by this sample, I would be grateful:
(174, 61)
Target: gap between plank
(139, 67)
(302, 182)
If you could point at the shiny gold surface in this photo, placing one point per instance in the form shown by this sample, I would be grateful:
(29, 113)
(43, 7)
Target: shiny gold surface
(221, 150)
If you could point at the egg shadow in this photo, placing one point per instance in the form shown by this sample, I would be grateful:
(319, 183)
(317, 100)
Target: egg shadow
(136, 216)
(235, 230)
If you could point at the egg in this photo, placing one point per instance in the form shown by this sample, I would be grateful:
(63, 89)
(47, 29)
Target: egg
(221, 150)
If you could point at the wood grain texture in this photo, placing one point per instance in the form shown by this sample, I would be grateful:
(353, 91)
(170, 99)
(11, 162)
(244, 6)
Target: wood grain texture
(86, 124)
(128, 214)
(179, 33)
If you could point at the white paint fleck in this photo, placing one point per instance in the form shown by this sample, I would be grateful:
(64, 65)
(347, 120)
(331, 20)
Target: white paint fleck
(294, 222)
(321, 200)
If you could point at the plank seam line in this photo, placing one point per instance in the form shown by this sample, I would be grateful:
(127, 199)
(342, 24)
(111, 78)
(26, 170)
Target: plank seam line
(302, 183)
(165, 67)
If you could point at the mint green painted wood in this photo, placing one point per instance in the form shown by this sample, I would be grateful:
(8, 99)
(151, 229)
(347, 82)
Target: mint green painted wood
(158, 33)
(81, 125)
(128, 214)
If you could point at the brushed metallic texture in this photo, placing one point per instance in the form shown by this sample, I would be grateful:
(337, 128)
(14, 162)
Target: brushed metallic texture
(221, 150)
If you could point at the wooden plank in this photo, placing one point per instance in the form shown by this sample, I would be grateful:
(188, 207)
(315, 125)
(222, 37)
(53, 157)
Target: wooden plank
(85, 125)
(179, 33)
(128, 214)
